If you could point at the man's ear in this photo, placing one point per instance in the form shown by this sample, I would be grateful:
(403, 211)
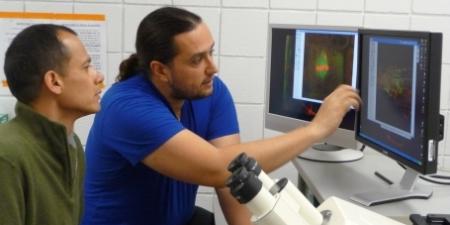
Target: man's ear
(53, 82)
(159, 70)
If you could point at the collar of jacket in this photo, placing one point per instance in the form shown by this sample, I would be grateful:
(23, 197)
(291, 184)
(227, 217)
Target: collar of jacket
(54, 133)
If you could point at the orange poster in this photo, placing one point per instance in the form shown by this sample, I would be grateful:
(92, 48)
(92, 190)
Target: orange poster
(91, 29)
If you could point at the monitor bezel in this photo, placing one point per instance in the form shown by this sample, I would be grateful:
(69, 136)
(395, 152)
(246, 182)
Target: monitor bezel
(341, 137)
(432, 120)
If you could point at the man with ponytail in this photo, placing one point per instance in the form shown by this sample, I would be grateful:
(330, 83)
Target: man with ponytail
(169, 124)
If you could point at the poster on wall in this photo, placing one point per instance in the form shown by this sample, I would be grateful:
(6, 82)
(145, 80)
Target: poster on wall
(91, 29)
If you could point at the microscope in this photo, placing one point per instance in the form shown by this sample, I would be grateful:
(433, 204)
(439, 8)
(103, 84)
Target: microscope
(281, 203)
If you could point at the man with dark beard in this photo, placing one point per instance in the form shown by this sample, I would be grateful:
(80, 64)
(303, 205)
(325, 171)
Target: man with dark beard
(170, 124)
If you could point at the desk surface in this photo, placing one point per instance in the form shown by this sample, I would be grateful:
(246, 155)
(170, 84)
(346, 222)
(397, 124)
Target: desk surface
(345, 179)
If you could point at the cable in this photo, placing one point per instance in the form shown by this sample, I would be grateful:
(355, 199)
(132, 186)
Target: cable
(401, 165)
(440, 176)
(428, 178)
(433, 181)
(383, 178)
(362, 148)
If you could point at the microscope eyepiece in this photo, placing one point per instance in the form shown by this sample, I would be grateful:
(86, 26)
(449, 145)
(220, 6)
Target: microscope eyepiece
(237, 162)
(243, 160)
(244, 185)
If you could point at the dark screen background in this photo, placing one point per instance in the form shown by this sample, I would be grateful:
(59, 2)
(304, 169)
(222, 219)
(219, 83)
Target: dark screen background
(393, 93)
(282, 75)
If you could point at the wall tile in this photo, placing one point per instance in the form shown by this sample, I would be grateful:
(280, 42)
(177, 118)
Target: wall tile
(5, 91)
(435, 24)
(7, 104)
(12, 5)
(82, 127)
(293, 4)
(50, 1)
(153, 2)
(100, 1)
(441, 163)
(434, 7)
(445, 88)
(446, 164)
(132, 17)
(205, 201)
(246, 3)
(342, 5)
(430, 23)
(442, 149)
(196, 2)
(239, 73)
(340, 19)
(250, 119)
(388, 6)
(244, 32)
(383, 21)
(113, 13)
(114, 60)
(446, 46)
(292, 17)
(444, 145)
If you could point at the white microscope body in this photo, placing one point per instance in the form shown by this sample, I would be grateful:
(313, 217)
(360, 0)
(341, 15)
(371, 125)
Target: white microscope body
(281, 203)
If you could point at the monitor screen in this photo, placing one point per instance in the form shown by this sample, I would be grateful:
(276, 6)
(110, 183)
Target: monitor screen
(399, 83)
(305, 64)
(400, 86)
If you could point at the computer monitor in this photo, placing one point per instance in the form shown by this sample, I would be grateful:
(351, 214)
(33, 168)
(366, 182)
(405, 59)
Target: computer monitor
(399, 84)
(305, 64)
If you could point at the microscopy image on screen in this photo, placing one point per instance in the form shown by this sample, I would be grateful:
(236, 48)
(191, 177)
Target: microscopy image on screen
(328, 63)
(287, 67)
(286, 74)
(399, 84)
(394, 85)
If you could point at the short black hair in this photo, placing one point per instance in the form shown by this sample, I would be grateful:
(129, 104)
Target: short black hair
(34, 51)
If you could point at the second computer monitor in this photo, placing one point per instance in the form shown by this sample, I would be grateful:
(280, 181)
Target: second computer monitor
(400, 88)
(399, 84)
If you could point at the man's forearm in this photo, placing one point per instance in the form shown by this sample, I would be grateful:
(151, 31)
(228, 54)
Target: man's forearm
(234, 212)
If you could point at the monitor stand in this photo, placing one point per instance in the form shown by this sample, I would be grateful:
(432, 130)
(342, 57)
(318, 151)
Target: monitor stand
(331, 153)
(407, 189)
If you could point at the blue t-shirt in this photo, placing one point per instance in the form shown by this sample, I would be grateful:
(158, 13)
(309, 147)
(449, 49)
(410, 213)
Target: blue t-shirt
(133, 122)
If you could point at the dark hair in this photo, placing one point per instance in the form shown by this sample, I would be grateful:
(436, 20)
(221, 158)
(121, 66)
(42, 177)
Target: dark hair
(33, 52)
(155, 39)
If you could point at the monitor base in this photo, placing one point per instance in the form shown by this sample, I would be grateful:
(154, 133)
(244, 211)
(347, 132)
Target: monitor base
(331, 153)
(391, 195)
(406, 189)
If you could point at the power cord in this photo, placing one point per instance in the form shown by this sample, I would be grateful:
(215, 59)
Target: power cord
(426, 178)
(430, 179)
(362, 148)
(439, 176)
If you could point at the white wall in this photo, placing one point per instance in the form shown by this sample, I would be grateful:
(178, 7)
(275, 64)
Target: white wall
(240, 30)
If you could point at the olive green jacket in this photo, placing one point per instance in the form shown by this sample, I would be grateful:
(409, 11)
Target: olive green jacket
(41, 173)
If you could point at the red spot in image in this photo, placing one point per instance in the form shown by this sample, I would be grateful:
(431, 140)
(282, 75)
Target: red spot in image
(309, 110)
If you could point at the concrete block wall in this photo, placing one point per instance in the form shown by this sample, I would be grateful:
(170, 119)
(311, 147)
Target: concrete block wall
(240, 30)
